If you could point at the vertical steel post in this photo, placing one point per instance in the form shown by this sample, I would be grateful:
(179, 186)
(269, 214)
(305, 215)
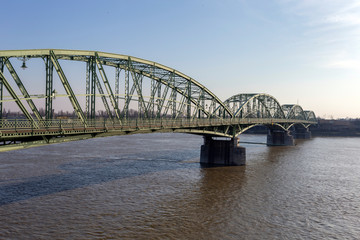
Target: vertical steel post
(140, 103)
(117, 87)
(1, 88)
(88, 74)
(152, 97)
(188, 110)
(126, 111)
(203, 104)
(159, 102)
(153, 92)
(173, 97)
(49, 89)
(92, 70)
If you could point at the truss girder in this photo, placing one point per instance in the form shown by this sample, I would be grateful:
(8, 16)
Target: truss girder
(266, 106)
(147, 68)
(172, 94)
(294, 111)
(258, 105)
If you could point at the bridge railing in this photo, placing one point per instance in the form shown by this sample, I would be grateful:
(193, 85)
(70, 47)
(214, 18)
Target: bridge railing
(106, 124)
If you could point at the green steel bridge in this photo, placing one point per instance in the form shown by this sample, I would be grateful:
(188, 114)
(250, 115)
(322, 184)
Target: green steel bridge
(112, 94)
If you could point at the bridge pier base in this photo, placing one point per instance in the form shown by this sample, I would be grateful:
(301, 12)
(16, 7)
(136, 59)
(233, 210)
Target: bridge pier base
(222, 152)
(279, 138)
(302, 133)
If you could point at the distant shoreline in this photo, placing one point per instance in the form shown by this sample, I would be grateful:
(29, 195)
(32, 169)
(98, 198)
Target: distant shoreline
(325, 128)
(334, 134)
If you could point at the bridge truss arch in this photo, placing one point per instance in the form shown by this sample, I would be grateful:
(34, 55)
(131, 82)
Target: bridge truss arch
(248, 106)
(256, 105)
(296, 112)
(152, 89)
(117, 94)
(310, 115)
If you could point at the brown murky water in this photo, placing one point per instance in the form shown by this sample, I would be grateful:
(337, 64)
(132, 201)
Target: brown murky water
(152, 187)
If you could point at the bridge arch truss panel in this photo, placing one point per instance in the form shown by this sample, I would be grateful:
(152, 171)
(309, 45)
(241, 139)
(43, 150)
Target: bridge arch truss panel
(310, 115)
(294, 111)
(156, 91)
(259, 105)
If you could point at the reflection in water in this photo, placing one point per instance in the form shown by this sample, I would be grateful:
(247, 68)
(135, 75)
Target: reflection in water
(152, 187)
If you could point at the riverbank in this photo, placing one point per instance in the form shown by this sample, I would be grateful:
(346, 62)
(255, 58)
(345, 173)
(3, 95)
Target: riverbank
(340, 127)
(325, 128)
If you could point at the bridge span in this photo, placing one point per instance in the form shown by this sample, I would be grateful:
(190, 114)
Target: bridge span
(141, 96)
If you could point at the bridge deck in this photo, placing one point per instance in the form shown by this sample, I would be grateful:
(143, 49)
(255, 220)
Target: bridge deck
(22, 129)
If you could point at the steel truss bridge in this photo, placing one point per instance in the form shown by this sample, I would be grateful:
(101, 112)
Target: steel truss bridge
(112, 94)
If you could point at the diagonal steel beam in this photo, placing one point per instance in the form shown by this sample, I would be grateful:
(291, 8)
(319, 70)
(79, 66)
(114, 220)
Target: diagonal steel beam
(107, 86)
(154, 88)
(16, 98)
(162, 100)
(197, 107)
(170, 103)
(22, 88)
(182, 106)
(103, 98)
(67, 87)
(138, 85)
(128, 97)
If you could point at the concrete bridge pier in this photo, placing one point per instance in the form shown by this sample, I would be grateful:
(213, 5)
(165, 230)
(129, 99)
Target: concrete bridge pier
(222, 152)
(302, 133)
(279, 138)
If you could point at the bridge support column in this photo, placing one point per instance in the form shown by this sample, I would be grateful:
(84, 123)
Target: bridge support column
(222, 152)
(302, 133)
(279, 138)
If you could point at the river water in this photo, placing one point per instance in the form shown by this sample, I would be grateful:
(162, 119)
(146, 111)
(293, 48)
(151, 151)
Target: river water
(151, 186)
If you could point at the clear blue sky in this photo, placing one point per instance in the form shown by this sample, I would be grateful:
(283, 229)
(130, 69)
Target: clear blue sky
(305, 51)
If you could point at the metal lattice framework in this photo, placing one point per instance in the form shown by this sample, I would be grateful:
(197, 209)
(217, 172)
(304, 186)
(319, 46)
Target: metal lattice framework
(255, 106)
(136, 95)
(265, 106)
(170, 93)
